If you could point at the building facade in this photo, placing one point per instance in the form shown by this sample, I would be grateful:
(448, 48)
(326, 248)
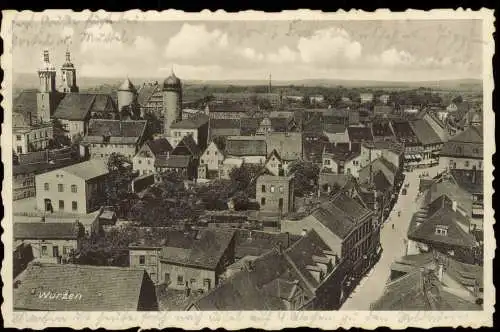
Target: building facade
(275, 193)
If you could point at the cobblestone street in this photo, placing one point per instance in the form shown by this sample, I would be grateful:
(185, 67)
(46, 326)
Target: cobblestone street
(372, 285)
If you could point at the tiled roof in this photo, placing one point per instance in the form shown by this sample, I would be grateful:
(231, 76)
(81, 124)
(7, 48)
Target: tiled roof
(145, 93)
(46, 230)
(360, 134)
(249, 126)
(408, 293)
(339, 153)
(116, 128)
(424, 132)
(288, 145)
(451, 189)
(227, 107)
(204, 250)
(382, 128)
(88, 169)
(246, 146)
(224, 123)
(334, 128)
(187, 146)
(26, 103)
(256, 243)
(192, 123)
(456, 236)
(382, 165)
(334, 219)
(404, 132)
(159, 146)
(350, 207)
(101, 288)
(172, 161)
(76, 106)
(468, 143)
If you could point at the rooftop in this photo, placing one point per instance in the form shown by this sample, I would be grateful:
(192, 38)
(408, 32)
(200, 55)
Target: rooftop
(192, 123)
(46, 230)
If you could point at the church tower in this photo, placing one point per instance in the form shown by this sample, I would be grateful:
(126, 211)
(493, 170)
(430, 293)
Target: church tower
(46, 98)
(172, 102)
(68, 72)
(127, 94)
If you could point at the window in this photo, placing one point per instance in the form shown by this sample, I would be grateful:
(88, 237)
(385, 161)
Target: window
(208, 153)
(272, 188)
(142, 260)
(149, 162)
(192, 283)
(73, 188)
(18, 137)
(206, 284)
(67, 250)
(263, 201)
(144, 171)
(202, 161)
(327, 161)
(215, 152)
(167, 278)
(441, 230)
(44, 250)
(60, 187)
(74, 206)
(61, 204)
(46, 186)
(140, 161)
(263, 188)
(281, 189)
(180, 280)
(46, 134)
(479, 164)
(19, 149)
(152, 260)
(466, 163)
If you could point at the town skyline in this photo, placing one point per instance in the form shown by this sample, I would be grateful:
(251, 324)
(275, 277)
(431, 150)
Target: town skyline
(289, 50)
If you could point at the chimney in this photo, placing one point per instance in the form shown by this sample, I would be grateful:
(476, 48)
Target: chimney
(454, 205)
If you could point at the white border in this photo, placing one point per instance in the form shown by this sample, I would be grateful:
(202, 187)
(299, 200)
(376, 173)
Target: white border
(257, 319)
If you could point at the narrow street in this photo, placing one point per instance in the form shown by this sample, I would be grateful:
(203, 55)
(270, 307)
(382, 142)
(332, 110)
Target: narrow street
(372, 285)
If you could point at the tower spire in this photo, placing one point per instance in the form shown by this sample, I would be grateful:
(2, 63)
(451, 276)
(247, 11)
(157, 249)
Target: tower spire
(46, 56)
(270, 85)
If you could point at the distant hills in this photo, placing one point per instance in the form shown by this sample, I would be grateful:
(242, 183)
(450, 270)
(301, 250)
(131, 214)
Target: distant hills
(29, 81)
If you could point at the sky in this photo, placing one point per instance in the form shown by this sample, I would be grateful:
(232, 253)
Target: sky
(402, 50)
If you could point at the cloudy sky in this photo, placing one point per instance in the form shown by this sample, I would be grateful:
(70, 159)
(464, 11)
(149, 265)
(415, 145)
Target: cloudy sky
(290, 50)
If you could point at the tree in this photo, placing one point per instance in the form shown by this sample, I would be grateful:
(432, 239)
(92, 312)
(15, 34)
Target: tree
(117, 184)
(241, 201)
(457, 100)
(305, 178)
(240, 177)
(220, 141)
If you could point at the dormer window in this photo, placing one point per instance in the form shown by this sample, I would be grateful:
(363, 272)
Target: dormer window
(442, 230)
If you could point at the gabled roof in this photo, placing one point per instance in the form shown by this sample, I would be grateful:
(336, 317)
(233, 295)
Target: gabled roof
(203, 250)
(86, 170)
(224, 123)
(468, 143)
(26, 103)
(338, 153)
(471, 181)
(159, 146)
(146, 92)
(335, 128)
(46, 230)
(191, 123)
(99, 288)
(118, 131)
(76, 106)
(382, 165)
(289, 145)
(360, 134)
(187, 146)
(350, 207)
(334, 219)
(404, 132)
(424, 132)
(172, 161)
(246, 146)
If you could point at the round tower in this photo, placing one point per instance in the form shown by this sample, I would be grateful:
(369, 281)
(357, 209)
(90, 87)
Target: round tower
(126, 94)
(172, 102)
(68, 73)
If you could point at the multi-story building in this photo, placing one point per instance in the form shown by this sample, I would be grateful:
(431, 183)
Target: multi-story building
(288, 145)
(75, 189)
(105, 137)
(196, 127)
(144, 160)
(210, 161)
(172, 102)
(275, 193)
(340, 161)
(464, 151)
(28, 137)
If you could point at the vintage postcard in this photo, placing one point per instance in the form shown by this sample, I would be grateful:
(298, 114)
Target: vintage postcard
(171, 169)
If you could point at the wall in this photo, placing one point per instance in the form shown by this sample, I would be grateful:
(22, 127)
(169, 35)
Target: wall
(145, 165)
(104, 150)
(36, 246)
(74, 127)
(187, 273)
(275, 188)
(273, 165)
(212, 157)
(55, 178)
(460, 163)
(152, 263)
(253, 159)
(172, 108)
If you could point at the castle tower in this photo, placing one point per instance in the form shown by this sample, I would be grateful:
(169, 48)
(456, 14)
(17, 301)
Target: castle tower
(47, 94)
(68, 73)
(172, 102)
(126, 94)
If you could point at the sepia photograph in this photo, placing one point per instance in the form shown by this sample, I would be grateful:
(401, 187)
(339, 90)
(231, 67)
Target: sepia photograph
(334, 165)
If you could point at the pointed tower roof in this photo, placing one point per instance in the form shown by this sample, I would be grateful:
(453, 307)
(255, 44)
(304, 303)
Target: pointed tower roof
(68, 63)
(171, 82)
(46, 65)
(127, 86)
